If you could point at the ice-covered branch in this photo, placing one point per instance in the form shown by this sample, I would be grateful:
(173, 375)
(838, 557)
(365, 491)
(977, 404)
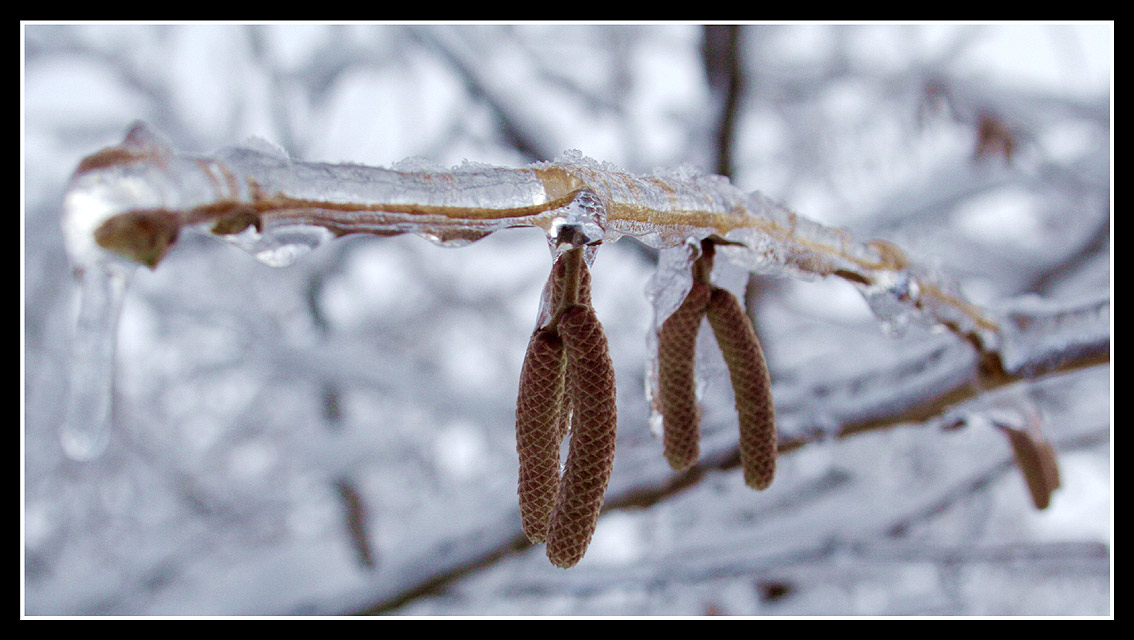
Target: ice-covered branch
(134, 200)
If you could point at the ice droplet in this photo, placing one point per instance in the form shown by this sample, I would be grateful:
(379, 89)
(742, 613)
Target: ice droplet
(580, 223)
(282, 245)
(890, 300)
(85, 431)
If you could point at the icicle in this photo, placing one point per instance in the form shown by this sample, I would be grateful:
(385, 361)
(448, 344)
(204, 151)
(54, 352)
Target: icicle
(103, 185)
(86, 426)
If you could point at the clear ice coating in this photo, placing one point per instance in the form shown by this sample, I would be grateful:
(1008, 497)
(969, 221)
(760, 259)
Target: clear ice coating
(889, 299)
(86, 428)
(579, 224)
(673, 278)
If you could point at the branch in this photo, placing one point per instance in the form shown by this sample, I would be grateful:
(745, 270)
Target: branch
(134, 200)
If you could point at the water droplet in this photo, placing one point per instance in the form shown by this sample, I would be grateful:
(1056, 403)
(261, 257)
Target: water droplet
(892, 301)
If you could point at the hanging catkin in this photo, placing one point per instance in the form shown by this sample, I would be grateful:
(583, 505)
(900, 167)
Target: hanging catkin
(543, 406)
(751, 387)
(677, 387)
(561, 282)
(539, 414)
(590, 456)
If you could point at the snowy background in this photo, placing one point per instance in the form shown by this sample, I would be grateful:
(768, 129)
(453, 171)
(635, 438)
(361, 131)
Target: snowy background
(336, 437)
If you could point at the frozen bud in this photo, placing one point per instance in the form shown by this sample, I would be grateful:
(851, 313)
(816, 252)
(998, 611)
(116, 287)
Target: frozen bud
(142, 236)
(569, 235)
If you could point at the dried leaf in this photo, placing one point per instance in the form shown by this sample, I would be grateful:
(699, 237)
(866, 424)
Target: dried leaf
(1036, 459)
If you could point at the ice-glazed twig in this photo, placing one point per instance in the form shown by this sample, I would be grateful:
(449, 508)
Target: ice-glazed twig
(133, 200)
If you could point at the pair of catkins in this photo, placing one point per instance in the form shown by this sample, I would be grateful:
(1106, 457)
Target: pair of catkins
(567, 387)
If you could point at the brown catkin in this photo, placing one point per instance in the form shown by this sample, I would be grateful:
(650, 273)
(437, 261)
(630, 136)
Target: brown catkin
(590, 456)
(582, 296)
(559, 277)
(539, 410)
(751, 385)
(677, 387)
